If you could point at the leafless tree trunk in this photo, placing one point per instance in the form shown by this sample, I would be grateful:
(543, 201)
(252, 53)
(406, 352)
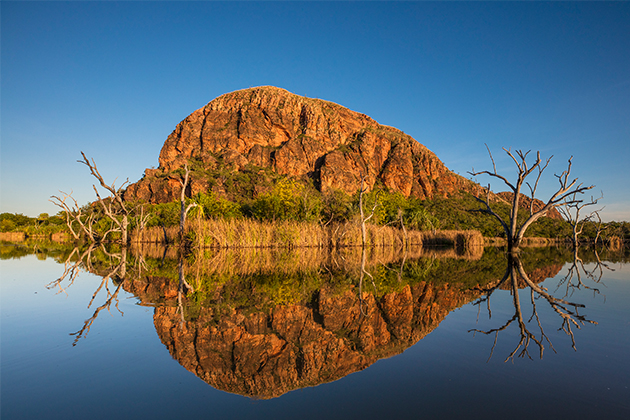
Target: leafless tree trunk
(568, 188)
(184, 208)
(402, 226)
(74, 214)
(115, 208)
(571, 212)
(364, 219)
(598, 227)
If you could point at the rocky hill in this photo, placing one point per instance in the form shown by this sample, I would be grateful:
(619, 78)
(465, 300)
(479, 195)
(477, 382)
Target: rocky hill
(269, 129)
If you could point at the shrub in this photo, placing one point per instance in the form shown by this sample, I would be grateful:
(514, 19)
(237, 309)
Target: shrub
(288, 200)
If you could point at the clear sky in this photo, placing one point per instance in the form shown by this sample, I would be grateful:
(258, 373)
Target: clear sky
(114, 79)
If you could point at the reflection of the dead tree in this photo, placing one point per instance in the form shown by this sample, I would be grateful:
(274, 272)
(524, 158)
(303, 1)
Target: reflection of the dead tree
(115, 274)
(183, 287)
(577, 270)
(568, 311)
(112, 281)
(72, 268)
(363, 306)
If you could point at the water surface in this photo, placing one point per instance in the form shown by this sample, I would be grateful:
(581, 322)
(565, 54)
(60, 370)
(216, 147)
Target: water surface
(283, 334)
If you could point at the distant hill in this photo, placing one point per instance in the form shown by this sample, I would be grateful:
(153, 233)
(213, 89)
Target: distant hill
(268, 130)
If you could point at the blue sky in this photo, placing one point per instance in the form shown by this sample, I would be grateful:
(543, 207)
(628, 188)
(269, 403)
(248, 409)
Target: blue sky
(114, 79)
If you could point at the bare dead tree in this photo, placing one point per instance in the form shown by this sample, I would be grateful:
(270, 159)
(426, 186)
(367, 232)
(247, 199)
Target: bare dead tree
(114, 207)
(402, 226)
(74, 215)
(568, 188)
(364, 219)
(598, 228)
(184, 208)
(571, 209)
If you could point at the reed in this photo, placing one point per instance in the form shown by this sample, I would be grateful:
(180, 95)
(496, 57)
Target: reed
(61, 237)
(12, 236)
(155, 234)
(614, 243)
(248, 233)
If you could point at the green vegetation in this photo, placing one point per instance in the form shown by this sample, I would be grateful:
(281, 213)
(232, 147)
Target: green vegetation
(43, 224)
(260, 194)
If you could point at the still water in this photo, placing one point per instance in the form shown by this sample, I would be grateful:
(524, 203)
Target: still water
(98, 333)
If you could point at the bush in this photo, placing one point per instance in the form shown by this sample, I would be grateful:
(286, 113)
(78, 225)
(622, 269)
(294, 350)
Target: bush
(214, 206)
(288, 200)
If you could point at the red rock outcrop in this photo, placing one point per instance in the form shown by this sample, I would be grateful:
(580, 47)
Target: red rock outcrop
(268, 127)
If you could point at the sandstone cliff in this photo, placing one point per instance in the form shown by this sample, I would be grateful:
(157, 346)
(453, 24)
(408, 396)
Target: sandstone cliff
(270, 128)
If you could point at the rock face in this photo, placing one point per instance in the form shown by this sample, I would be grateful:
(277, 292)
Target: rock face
(268, 127)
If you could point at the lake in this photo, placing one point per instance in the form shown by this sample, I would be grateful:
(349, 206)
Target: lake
(387, 333)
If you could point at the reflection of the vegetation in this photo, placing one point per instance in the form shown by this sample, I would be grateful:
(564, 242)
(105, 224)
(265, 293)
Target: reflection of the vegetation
(263, 322)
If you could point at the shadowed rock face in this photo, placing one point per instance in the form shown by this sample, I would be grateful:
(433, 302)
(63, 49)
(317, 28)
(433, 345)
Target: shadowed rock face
(268, 127)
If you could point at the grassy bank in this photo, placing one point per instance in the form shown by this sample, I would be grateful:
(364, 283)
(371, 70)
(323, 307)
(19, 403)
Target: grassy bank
(249, 233)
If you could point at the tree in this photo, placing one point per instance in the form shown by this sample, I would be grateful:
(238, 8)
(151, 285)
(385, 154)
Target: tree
(114, 207)
(364, 218)
(571, 212)
(74, 216)
(566, 194)
(184, 209)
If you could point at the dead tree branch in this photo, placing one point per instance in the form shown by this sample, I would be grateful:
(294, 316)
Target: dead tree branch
(571, 209)
(74, 214)
(115, 208)
(184, 208)
(568, 188)
(364, 219)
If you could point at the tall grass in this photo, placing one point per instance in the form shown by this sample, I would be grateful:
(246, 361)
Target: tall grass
(614, 243)
(155, 235)
(12, 236)
(249, 233)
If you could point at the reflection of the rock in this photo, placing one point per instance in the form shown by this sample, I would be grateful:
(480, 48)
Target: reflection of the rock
(267, 353)
(264, 332)
(264, 322)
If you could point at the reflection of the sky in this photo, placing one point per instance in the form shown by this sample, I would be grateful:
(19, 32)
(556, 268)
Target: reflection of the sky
(123, 370)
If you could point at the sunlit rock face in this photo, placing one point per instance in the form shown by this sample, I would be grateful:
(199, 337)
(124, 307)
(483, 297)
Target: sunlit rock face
(264, 354)
(268, 127)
